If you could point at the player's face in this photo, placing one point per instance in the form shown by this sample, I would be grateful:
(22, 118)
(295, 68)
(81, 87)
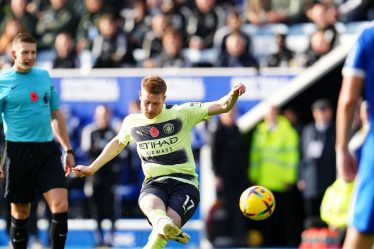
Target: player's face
(24, 55)
(151, 104)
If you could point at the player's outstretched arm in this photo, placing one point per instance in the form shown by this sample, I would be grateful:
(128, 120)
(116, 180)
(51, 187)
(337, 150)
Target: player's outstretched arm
(111, 150)
(227, 102)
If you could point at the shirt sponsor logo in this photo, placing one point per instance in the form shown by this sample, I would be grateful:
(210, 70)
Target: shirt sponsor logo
(157, 144)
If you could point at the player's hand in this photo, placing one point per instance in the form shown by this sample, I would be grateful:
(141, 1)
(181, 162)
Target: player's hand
(82, 171)
(69, 163)
(238, 89)
(346, 165)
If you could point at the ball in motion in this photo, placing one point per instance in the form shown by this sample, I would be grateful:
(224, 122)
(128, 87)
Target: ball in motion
(257, 203)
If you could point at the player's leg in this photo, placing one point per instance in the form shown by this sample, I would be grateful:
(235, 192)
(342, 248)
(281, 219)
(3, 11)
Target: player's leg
(183, 203)
(52, 183)
(18, 227)
(57, 201)
(181, 237)
(357, 240)
(20, 177)
(154, 208)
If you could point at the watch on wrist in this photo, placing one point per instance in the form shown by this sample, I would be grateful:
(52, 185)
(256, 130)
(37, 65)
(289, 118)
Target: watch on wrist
(71, 151)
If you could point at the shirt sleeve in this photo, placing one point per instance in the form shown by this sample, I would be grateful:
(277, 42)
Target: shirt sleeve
(124, 134)
(54, 99)
(195, 112)
(355, 63)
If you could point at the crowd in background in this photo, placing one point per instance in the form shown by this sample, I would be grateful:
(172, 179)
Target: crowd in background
(172, 33)
(294, 161)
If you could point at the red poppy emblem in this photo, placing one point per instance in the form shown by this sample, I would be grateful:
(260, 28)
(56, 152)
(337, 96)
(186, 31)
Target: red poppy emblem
(33, 96)
(154, 132)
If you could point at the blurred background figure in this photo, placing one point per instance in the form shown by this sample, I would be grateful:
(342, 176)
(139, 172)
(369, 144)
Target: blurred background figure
(18, 11)
(273, 160)
(66, 56)
(206, 18)
(99, 188)
(88, 27)
(152, 44)
(317, 166)
(260, 12)
(12, 27)
(171, 55)
(111, 47)
(58, 17)
(234, 24)
(320, 45)
(236, 54)
(229, 164)
(283, 57)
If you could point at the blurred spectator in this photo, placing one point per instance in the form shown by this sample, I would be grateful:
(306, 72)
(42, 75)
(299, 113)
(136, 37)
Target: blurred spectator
(320, 45)
(154, 6)
(353, 10)
(131, 176)
(111, 48)
(137, 22)
(178, 15)
(292, 116)
(320, 15)
(274, 156)
(172, 56)
(88, 27)
(234, 24)
(205, 20)
(237, 54)
(198, 55)
(18, 10)
(283, 57)
(317, 166)
(58, 17)
(100, 187)
(229, 166)
(152, 44)
(260, 12)
(12, 27)
(66, 56)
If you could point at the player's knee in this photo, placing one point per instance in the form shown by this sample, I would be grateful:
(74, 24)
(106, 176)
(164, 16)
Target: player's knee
(59, 207)
(20, 212)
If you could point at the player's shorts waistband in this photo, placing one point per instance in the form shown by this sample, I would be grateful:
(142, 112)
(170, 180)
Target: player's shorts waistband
(177, 175)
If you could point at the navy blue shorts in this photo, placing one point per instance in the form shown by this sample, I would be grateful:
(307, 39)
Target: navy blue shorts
(179, 196)
(31, 166)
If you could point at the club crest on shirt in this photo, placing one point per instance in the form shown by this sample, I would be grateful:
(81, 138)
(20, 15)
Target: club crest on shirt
(154, 132)
(33, 96)
(168, 128)
(46, 98)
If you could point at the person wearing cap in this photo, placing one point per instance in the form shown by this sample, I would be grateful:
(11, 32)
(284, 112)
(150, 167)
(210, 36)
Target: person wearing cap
(317, 164)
